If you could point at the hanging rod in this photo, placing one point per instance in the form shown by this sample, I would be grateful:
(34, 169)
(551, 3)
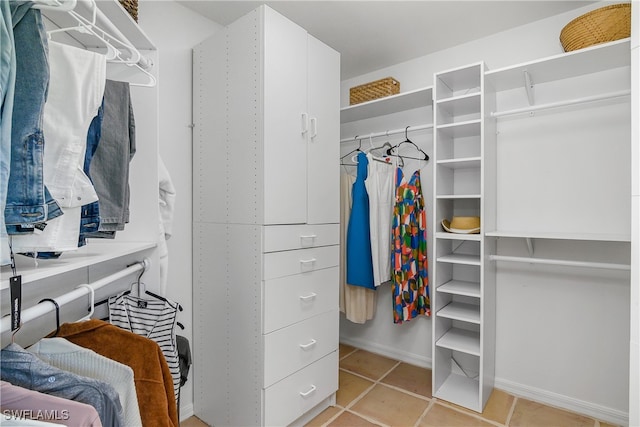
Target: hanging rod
(43, 308)
(561, 103)
(567, 263)
(387, 133)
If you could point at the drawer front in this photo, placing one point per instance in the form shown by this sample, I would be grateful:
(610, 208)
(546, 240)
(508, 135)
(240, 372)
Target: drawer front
(290, 349)
(290, 299)
(287, 263)
(287, 237)
(292, 397)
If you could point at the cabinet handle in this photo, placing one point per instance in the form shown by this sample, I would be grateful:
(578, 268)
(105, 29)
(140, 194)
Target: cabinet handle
(309, 345)
(310, 237)
(307, 261)
(307, 393)
(305, 119)
(311, 296)
(314, 127)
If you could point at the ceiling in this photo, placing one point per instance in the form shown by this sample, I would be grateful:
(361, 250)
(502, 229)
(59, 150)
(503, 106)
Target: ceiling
(375, 34)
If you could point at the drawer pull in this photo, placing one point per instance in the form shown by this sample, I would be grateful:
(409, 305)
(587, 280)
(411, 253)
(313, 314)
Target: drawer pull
(309, 345)
(307, 261)
(307, 240)
(307, 393)
(311, 296)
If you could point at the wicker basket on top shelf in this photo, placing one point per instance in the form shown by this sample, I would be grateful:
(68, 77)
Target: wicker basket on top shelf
(131, 6)
(373, 90)
(605, 24)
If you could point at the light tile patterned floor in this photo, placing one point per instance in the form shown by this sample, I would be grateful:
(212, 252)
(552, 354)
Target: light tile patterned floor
(377, 391)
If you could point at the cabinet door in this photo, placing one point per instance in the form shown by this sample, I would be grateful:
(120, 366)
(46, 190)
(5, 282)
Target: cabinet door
(324, 134)
(285, 106)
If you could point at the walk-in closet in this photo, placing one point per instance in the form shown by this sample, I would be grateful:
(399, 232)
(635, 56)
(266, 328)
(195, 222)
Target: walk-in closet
(319, 213)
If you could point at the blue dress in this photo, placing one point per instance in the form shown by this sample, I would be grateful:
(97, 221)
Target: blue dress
(359, 261)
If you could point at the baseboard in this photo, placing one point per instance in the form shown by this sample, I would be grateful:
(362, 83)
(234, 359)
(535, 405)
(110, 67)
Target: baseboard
(186, 411)
(403, 356)
(602, 413)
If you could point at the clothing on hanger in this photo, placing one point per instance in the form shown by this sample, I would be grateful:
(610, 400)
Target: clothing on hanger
(154, 319)
(68, 356)
(22, 401)
(357, 303)
(75, 94)
(359, 262)
(379, 185)
(21, 368)
(153, 380)
(410, 286)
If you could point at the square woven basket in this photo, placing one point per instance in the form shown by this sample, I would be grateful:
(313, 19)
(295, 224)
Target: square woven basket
(131, 6)
(602, 25)
(373, 90)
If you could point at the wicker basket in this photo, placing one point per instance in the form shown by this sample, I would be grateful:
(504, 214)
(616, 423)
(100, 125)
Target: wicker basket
(374, 90)
(131, 6)
(605, 24)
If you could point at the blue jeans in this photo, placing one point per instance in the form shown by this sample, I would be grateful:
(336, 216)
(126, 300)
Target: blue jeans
(28, 200)
(90, 215)
(7, 85)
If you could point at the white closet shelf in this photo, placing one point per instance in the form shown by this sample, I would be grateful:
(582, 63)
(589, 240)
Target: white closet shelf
(460, 287)
(461, 163)
(601, 237)
(458, 79)
(460, 389)
(118, 21)
(462, 129)
(460, 259)
(455, 236)
(461, 340)
(460, 311)
(391, 104)
(457, 196)
(589, 60)
(461, 105)
(86, 256)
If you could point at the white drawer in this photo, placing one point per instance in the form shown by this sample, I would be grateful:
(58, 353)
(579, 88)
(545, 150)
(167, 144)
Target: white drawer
(287, 263)
(290, 299)
(290, 349)
(287, 237)
(289, 399)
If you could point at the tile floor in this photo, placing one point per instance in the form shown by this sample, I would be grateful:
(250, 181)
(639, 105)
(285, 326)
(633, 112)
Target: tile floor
(377, 391)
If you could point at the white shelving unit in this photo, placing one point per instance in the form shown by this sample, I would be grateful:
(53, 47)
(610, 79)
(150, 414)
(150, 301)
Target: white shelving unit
(462, 300)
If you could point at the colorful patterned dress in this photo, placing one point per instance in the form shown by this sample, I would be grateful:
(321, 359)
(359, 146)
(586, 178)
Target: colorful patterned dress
(410, 287)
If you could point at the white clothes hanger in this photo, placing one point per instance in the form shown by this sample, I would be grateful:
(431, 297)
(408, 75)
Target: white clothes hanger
(92, 301)
(58, 5)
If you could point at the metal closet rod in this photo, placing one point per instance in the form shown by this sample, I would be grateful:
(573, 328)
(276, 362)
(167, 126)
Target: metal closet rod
(558, 104)
(387, 133)
(563, 262)
(45, 307)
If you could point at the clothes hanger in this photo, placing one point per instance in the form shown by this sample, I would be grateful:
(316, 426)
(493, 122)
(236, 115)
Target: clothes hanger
(381, 159)
(92, 300)
(57, 313)
(57, 5)
(356, 151)
(390, 152)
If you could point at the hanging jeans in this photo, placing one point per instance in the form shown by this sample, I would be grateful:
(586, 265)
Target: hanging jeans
(75, 95)
(28, 200)
(7, 85)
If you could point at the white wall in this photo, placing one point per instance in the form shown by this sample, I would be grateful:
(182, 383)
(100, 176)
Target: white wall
(562, 335)
(174, 30)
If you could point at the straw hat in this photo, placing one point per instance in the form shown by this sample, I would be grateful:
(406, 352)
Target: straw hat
(462, 225)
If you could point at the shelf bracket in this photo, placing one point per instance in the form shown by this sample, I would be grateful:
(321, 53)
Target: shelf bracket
(528, 86)
(457, 247)
(529, 243)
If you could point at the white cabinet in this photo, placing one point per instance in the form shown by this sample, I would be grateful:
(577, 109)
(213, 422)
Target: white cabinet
(462, 298)
(266, 222)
